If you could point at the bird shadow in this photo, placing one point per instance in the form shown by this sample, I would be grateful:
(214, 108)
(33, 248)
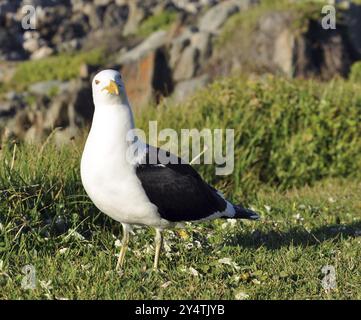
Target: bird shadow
(296, 236)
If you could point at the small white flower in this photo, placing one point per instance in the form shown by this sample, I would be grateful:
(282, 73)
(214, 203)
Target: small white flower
(198, 244)
(166, 284)
(230, 262)
(63, 250)
(86, 266)
(231, 223)
(45, 285)
(241, 296)
(189, 245)
(166, 246)
(331, 200)
(193, 272)
(75, 234)
(298, 217)
(117, 243)
(190, 270)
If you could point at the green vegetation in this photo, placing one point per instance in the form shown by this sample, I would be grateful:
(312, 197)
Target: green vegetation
(244, 23)
(160, 21)
(61, 67)
(288, 134)
(239, 28)
(355, 74)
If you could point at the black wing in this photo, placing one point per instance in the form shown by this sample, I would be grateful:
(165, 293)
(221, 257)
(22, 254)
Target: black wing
(178, 191)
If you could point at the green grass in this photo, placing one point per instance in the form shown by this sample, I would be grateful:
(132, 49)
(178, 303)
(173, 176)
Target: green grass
(160, 21)
(355, 74)
(297, 163)
(61, 67)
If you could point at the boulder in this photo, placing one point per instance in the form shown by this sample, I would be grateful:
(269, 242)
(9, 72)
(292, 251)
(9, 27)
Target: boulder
(186, 88)
(115, 16)
(153, 42)
(148, 79)
(42, 53)
(137, 14)
(187, 65)
(46, 87)
(216, 17)
(177, 47)
(278, 48)
(65, 136)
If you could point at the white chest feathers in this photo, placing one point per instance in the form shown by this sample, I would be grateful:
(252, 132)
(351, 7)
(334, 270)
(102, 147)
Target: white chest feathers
(110, 180)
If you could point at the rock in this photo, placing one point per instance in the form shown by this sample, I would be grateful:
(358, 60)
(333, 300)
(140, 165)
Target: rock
(103, 2)
(57, 115)
(72, 29)
(86, 70)
(153, 42)
(7, 109)
(187, 65)
(65, 136)
(177, 47)
(203, 42)
(70, 46)
(186, 88)
(11, 45)
(353, 23)
(215, 18)
(95, 16)
(13, 96)
(81, 106)
(137, 14)
(43, 52)
(115, 16)
(32, 45)
(284, 52)
(148, 79)
(46, 87)
(277, 48)
(194, 6)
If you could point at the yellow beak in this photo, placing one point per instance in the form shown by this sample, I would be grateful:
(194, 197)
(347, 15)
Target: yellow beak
(112, 88)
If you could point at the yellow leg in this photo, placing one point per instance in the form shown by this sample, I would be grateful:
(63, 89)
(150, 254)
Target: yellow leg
(125, 242)
(158, 245)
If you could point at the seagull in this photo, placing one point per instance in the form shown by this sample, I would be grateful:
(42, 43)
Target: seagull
(133, 190)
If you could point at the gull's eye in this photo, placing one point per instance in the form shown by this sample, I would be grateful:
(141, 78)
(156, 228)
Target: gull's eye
(97, 81)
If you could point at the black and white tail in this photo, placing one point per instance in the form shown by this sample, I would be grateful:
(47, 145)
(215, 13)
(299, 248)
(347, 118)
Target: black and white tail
(243, 213)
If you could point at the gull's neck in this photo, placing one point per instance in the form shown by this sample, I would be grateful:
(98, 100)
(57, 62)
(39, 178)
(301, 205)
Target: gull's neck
(109, 130)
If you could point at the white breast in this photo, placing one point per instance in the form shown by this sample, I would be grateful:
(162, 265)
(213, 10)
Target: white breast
(110, 180)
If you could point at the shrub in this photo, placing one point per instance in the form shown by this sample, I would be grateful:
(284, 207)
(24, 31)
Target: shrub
(355, 74)
(161, 21)
(288, 133)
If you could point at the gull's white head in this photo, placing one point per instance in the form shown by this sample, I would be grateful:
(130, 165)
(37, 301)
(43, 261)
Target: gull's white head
(108, 88)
